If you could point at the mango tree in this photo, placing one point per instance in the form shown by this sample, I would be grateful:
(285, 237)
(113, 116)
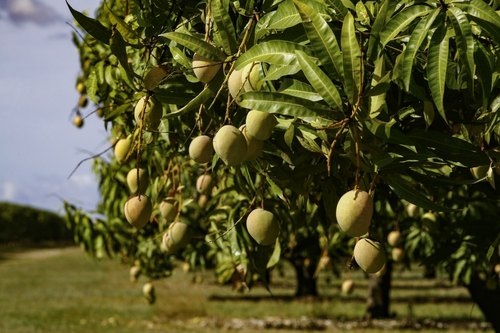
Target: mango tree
(248, 131)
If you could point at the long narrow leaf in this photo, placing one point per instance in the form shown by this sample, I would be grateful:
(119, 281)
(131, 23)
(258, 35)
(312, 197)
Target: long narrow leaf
(401, 21)
(481, 10)
(224, 25)
(276, 52)
(405, 190)
(323, 40)
(320, 81)
(385, 11)
(464, 40)
(275, 102)
(377, 99)
(91, 26)
(125, 30)
(299, 89)
(284, 17)
(196, 45)
(417, 37)
(351, 55)
(437, 62)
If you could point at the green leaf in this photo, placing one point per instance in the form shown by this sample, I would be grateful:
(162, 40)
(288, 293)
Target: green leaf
(465, 41)
(278, 52)
(209, 90)
(484, 16)
(387, 132)
(401, 21)
(118, 111)
(448, 147)
(125, 30)
(275, 102)
(299, 89)
(180, 57)
(284, 17)
(323, 40)
(275, 256)
(118, 47)
(385, 11)
(362, 13)
(377, 100)
(92, 86)
(155, 76)
(416, 38)
(407, 191)
(352, 60)
(196, 45)
(91, 26)
(224, 25)
(480, 10)
(437, 62)
(320, 81)
(485, 70)
(276, 72)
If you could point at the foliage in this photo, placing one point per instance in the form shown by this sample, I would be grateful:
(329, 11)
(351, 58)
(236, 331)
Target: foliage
(398, 98)
(28, 225)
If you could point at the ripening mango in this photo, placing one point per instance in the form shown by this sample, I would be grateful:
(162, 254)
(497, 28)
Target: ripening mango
(122, 148)
(260, 124)
(230, 145)
(205, 69)
(347, 287)
(252, 77)
(78, 121)
(153, 111)
(262, 226)
(234, 84)
(138, 210)
(397, 254)
(176, 237)
(169, 208)
(201, 149)
(394, 238)
(254, 146)
(137, 180)
(354, 212)
(204, 184)
(369, 255)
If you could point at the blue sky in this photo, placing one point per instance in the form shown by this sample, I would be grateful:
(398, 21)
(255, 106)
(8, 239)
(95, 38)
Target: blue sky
(39, 146)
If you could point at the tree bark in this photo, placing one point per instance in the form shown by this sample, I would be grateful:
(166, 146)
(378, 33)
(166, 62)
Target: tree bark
(486, 299)
(429, 272)
(378, 301)
(306, 281)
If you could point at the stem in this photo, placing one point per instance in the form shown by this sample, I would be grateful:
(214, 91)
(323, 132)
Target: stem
(240, 49)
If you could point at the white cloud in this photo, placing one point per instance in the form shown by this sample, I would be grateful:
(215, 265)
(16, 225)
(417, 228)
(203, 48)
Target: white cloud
(8, 192)
(34, 11)
(83, 180)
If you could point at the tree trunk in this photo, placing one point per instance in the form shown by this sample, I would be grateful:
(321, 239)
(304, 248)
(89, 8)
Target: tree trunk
(429, 272)
(486, 299)
(378, 301)
(306, 281)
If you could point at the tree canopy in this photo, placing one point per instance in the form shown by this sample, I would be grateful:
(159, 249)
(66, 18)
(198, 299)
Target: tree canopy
(396, 99)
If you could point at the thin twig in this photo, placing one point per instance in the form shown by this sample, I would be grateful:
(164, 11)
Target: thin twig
(236, 223)
(89, 158)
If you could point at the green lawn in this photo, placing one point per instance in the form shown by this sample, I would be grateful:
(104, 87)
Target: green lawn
(62, 290)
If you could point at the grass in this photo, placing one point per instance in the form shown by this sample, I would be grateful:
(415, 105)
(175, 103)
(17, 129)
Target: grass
(62, 290)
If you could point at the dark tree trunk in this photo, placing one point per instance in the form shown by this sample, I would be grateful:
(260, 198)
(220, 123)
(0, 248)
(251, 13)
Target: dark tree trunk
(429, 272)
(486, 299)
(306, 281)
(378, 301)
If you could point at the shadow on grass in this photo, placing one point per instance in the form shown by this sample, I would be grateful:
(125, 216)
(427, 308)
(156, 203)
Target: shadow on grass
(353, 299)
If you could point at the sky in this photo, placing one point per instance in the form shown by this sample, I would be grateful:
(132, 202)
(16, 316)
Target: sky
(39, 145)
